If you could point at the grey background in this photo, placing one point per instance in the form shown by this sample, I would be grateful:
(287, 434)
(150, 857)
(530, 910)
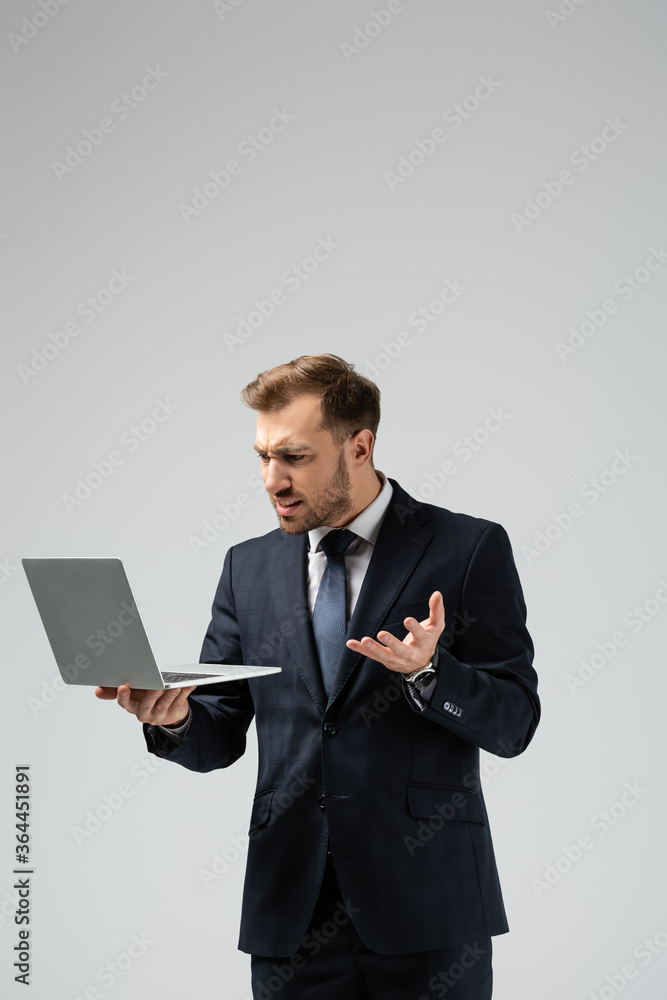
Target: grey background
(557, 79)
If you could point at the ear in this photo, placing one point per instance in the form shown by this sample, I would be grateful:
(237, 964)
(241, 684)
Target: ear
(361, 447)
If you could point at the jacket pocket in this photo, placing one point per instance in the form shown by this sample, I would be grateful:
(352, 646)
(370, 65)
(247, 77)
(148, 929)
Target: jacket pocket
(451, 802)
(396, 616)
(261, 812)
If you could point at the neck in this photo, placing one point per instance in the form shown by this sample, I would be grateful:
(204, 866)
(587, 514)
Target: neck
(368, 492)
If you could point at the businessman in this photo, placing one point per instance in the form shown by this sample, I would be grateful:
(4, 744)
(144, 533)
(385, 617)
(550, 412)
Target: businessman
(400, 630)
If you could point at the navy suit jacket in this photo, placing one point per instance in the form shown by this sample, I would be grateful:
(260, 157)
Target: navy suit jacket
(394, 790)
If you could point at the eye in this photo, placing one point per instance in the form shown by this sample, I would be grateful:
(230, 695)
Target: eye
(264, 458)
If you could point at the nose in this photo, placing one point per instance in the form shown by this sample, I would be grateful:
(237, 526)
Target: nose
(275, 476)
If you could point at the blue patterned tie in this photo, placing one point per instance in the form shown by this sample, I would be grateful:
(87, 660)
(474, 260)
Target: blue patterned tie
(330, 611)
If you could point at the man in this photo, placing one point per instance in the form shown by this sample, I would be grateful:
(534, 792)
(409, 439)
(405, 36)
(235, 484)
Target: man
(370, 868)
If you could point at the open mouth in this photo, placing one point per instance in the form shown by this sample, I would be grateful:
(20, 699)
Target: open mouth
(287, 507)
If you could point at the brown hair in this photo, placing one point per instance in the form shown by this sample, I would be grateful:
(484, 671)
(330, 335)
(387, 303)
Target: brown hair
(349, 401)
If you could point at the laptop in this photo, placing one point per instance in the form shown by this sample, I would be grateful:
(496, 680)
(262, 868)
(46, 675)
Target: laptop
(96, 633)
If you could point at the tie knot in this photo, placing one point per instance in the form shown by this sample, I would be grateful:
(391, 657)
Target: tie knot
(336, 541)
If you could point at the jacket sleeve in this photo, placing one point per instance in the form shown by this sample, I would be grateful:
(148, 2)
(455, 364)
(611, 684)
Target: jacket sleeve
(221, 713)
(487, 693)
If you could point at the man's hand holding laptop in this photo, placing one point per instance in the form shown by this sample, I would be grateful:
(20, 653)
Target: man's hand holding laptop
(158, 708)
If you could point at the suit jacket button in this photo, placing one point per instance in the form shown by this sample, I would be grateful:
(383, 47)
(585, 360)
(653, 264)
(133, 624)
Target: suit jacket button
(321, 803)
(330, 728)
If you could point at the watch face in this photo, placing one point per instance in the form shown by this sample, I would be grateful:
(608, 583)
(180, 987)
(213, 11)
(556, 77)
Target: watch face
(422, 675)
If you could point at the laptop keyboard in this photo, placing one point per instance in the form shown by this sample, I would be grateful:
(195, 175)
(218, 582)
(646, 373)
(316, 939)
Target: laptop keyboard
(173, 677)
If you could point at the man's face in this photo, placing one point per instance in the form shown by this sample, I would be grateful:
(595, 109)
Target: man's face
(304, 471)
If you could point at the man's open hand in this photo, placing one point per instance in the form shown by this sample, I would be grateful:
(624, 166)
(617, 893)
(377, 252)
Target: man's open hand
(418, 647)
(158, 708)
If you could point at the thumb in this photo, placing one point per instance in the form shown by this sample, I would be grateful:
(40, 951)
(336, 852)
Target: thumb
(436, 607)
(106, 693)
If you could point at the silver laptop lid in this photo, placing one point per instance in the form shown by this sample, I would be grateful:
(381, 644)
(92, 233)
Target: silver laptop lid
(92, 622)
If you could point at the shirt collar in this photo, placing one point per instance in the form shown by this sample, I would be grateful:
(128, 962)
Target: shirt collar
(366, 524)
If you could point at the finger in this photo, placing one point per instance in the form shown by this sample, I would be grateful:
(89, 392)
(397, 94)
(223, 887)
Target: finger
(139, 701)
(161, 707)
(403, 661)
(381, 653)
(391, 642)
(436, 606)
(413, 651)
(106, 693)
(417, 631)
(171, 707)
(369, 647)
(180, 704)
(168, 700)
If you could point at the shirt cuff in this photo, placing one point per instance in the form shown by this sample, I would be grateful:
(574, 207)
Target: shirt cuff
(420, 694)
(165, 739)
(181, 730)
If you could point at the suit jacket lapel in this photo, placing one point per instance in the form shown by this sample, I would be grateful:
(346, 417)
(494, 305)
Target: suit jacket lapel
(403, 537)
(288, 577)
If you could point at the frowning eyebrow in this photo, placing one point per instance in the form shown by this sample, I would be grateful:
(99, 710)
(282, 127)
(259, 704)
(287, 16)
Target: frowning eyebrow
(285, 449)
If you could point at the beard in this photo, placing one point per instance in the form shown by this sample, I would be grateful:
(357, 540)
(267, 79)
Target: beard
(327, 506)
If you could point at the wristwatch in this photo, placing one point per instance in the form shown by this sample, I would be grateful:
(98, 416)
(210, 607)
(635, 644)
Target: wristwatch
(421, 675)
